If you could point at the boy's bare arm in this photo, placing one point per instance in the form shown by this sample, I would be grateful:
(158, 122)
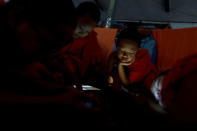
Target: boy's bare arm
(110, 64)
(122, 75)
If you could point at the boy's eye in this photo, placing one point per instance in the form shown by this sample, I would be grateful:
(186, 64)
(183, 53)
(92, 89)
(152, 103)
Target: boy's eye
(131, 53)
(125, 51)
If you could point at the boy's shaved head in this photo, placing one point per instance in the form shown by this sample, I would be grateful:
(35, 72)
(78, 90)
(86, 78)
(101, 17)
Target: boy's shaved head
(129, 34)
(89, 8)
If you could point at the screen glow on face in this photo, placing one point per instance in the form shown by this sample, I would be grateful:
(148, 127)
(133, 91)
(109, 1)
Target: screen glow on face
(128, 51)
(156, 89)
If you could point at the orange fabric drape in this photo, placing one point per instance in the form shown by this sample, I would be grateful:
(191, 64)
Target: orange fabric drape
(172, 45)
(106, 38)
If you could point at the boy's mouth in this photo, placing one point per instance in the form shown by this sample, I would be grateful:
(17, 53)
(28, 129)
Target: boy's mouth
(124, 61)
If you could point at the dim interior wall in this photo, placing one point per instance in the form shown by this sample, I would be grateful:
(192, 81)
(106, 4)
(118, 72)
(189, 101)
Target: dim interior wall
(151, 10)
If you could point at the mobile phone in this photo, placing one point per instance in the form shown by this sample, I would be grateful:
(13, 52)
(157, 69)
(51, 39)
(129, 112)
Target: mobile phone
(87, 87)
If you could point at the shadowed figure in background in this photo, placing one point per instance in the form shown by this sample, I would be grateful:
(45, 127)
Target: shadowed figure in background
(31, 31)
(83, 56)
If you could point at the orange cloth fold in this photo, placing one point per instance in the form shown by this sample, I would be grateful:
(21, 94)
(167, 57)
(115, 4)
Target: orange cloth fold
(106, 39)
(173, 45)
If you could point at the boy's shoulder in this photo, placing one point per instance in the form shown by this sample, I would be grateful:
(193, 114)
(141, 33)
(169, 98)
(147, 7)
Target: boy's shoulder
(143, 55)
(143, 52)
(93, 33)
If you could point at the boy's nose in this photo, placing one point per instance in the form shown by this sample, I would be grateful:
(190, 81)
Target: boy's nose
(125, 54)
